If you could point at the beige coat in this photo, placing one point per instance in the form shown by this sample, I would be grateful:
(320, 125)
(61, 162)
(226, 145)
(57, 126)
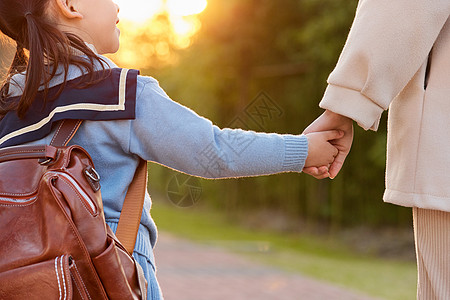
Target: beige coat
(383, 65)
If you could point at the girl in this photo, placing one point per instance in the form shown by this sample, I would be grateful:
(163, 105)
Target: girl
(54, 76)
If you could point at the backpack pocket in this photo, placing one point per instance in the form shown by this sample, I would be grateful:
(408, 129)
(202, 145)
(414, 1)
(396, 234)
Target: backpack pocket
(52, 279)
(111, 262)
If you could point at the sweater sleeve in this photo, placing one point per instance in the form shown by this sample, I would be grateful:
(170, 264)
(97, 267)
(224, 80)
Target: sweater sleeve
(388, 43)
(170, 134)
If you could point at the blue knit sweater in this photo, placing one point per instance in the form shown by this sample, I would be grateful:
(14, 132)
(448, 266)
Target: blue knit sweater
(172, 135)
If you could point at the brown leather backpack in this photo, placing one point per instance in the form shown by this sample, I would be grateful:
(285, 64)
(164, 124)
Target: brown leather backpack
(54, 243)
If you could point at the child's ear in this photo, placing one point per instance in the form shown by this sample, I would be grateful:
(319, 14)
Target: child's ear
(68, 9)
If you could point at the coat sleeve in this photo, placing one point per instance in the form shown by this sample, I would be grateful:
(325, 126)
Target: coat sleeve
(388, 43)
(173, 135)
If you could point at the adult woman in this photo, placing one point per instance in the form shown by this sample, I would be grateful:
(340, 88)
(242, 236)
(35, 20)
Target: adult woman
(397, 56)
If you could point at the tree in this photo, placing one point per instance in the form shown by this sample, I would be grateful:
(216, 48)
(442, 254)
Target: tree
(285, 48)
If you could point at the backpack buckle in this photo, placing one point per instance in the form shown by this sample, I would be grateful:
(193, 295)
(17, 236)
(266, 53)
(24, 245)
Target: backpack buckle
(92, 177)
(45, 161)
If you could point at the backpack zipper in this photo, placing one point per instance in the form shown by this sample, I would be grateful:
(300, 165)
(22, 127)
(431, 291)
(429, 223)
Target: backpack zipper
(80, 191)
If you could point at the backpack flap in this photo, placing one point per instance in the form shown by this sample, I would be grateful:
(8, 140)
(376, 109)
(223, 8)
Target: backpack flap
(20, 171)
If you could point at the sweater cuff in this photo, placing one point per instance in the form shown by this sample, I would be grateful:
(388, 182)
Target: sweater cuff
(352, 104)
(295, 153)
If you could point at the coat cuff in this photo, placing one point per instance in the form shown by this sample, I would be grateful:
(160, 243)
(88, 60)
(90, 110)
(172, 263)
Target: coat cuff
(295, 153)
(354, 105)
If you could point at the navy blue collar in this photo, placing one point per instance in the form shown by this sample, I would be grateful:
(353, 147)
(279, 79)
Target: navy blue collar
(113, 98)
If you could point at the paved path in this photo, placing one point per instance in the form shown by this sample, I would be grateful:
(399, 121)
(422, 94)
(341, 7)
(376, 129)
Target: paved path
(189, 271)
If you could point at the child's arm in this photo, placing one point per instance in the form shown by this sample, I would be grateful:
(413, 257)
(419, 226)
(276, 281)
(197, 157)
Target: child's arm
(170, 134)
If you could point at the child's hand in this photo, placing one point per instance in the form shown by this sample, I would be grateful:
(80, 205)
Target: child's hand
(321, 152)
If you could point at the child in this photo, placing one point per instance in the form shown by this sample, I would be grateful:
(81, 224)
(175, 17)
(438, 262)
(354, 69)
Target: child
(65, 39)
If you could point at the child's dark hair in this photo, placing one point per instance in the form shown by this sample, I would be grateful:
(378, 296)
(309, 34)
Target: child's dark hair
(41, 49)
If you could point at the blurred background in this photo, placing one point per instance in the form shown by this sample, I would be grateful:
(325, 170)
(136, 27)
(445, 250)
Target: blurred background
(262, 65)
(221, 61)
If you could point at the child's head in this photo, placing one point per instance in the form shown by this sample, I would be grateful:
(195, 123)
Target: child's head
(94, 21)
(52, 33)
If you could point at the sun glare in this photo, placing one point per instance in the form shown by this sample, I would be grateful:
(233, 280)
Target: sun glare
(142, 10)
(186, 7)
(138, 10)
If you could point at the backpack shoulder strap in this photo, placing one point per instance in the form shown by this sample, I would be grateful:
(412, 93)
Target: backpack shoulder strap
(130, 217)
(65, 132)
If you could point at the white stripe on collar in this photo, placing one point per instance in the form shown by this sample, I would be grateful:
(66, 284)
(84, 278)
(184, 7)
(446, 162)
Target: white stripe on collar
(79, 106)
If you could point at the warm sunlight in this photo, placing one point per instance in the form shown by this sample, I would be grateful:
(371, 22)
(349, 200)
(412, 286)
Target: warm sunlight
(138, 10)
(159, 27)
(141, 10)
(186, 7)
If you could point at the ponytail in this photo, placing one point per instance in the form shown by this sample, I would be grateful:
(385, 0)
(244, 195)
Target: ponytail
(41, 50)
(35, 67)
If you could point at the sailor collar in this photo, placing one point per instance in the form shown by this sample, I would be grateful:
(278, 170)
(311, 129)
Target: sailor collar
(113, 98)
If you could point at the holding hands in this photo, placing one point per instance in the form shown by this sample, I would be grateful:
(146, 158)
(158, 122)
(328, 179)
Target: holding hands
(330, 138)
(321, 152)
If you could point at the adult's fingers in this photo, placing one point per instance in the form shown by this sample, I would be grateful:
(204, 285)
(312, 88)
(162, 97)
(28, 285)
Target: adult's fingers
(333, 134)
(337, 164)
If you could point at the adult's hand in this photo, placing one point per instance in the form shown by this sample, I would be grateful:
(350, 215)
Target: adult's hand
(329, 121)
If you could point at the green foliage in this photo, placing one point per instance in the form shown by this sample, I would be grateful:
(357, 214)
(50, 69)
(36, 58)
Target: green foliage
(285, 48)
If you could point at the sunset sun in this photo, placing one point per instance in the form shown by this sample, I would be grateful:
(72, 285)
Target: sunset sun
(138, 10)
(141, 10)
(186, 7)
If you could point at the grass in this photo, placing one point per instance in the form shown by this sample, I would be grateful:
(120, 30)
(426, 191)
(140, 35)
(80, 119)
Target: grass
(324, 259)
